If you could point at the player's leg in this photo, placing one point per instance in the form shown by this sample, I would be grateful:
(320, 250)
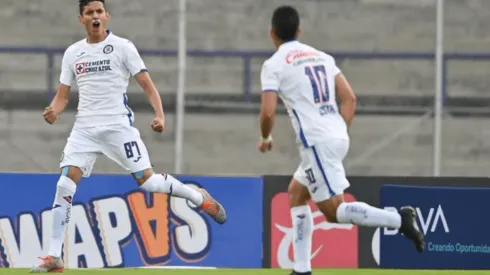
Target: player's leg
(302, 221)
(166, 183)
(127, 149)
(65, 190)
(360, 213)
(77, 160)
(330, 175)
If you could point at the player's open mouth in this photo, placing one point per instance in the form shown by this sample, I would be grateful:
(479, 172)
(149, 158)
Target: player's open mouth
(96, 24)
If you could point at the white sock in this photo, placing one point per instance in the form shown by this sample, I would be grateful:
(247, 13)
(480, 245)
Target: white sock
(302, 237)
(361, 213)
(61, 211)
(165, 183)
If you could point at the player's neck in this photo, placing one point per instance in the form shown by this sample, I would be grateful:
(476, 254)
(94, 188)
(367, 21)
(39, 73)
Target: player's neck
(93, 38)
(279, 43)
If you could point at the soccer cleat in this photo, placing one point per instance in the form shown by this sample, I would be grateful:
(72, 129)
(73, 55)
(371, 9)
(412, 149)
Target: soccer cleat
(49, 265)
(410, 229)
(213, 208)
(301, 273)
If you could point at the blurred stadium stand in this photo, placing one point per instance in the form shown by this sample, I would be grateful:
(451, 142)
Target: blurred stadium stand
(228, 42)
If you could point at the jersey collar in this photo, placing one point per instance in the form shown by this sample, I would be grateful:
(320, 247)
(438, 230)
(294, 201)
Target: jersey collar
(95, 44)
(290, 42)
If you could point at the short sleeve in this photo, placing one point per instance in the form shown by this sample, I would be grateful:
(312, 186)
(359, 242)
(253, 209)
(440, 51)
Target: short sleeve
(67, 74)
(335, 70)
(269, 77)
(133, 61)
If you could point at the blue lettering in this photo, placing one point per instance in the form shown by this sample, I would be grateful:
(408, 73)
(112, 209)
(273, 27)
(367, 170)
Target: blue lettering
(327, 109)
(91, 70)
(104, 68)
(300, 232)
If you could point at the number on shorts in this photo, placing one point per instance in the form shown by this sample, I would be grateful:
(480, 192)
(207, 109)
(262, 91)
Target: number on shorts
(310, 176)
(128, 147)
(318, 79)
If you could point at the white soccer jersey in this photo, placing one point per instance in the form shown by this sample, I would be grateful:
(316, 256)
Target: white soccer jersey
(304, 79)
(101, 72)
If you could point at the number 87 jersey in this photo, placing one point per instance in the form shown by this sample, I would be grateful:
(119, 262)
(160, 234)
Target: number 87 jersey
(304, 79)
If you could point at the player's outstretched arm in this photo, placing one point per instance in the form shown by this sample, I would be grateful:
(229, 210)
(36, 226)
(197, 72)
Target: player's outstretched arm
(347, 98)
(58, 104)
(151, 92)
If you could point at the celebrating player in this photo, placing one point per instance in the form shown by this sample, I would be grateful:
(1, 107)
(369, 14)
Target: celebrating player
(308, 82)
(101, 65)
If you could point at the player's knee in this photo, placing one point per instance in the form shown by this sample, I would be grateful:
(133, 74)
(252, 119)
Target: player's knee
(142, 176)
(72, 172)
(297, 194)
(65, 189)
(330, 206)
(331, 215)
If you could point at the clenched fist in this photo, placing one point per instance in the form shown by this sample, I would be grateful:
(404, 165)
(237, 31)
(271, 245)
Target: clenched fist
(157, 124)
(50, 115)
(265, 145)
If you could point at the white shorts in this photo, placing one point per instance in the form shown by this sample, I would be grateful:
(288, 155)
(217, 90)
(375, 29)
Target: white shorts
(321, 169)
(120, 143)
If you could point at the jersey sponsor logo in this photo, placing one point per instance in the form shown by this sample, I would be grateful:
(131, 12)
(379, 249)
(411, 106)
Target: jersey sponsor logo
(334, 245)
(92, 67)
(155, 224)
(298, 54)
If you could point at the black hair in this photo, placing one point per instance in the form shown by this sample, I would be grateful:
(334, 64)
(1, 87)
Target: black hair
(83, 3)
(285, 22)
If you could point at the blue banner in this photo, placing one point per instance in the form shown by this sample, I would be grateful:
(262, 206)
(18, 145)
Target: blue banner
(451, 218)
(114, 223)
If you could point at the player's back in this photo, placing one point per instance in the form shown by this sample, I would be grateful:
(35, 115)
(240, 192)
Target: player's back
(102, 72)
(306, 80)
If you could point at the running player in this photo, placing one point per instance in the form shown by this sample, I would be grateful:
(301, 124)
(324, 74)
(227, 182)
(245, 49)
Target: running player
(308, 82)
(101, 66)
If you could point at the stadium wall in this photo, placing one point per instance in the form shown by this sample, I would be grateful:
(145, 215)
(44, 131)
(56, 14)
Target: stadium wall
(115, 224)
(242, 94)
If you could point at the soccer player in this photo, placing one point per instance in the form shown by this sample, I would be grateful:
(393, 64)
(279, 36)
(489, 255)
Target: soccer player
(309, 82)
(101, 65)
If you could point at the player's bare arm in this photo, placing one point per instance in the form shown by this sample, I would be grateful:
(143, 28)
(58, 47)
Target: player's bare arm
(267, 117)
(347, 98)
(58, 104)
(151, 92)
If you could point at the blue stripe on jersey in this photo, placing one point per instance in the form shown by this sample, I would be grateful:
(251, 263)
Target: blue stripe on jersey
(269, 91)
(301, 133)
(130, 113)
(319, 163)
